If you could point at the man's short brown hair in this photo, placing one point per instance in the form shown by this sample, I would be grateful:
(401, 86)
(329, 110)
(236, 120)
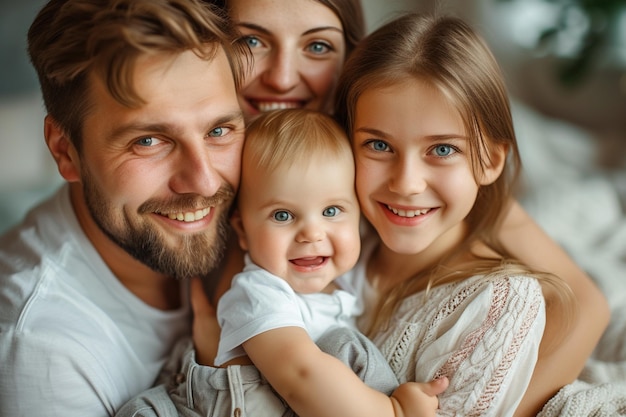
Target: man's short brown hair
(71, 40)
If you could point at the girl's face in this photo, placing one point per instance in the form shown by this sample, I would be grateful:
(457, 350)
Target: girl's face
(414, 177)
(298, 48)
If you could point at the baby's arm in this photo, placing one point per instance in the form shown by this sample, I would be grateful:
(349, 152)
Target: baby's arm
(561, 356)
(315, 384)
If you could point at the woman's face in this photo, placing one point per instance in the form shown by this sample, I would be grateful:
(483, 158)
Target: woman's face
(298, 48)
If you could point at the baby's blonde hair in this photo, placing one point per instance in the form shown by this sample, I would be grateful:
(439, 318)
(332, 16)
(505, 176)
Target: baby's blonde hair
(283, 138)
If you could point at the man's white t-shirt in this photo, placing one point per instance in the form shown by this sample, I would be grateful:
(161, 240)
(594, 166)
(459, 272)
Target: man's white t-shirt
(73, 340)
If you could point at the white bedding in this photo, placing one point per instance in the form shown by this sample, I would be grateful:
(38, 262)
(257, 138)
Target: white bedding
(580, 203)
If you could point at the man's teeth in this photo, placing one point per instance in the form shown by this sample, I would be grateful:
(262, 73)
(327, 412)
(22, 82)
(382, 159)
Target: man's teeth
(268, 106)
(408, 213)
(190, 216)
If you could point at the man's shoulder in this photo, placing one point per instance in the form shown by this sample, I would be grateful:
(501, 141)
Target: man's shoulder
(46, 224)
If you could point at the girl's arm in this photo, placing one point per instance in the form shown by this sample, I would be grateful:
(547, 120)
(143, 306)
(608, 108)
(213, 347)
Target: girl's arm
(561, 355)
(315, 384)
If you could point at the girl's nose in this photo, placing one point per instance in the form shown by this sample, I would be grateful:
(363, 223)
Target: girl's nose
(409, 177)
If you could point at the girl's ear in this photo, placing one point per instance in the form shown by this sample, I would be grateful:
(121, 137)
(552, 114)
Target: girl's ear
(237, 223)
(491, 173)
(62, 150)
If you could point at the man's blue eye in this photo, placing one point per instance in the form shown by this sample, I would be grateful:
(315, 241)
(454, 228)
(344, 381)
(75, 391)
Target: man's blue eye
(331, 211)
(148, 141)
(217, 132)
(282, 216)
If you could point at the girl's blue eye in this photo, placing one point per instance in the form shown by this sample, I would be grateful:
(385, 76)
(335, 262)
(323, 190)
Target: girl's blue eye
(282, 216)
(443, 150)
(379, 145)
(331, 211)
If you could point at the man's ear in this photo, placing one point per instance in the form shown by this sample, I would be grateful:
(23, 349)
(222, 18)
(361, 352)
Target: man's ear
(62, 150)
(237, 223)
(498, 154)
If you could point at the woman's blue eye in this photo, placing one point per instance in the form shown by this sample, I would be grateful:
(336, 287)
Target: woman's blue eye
(331, 211)
(443, 150)
(282, 216)
(319, 48)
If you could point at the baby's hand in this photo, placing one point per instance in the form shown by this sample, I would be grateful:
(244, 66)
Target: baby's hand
(418, 399)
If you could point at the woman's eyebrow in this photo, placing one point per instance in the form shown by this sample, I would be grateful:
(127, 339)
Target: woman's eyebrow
(138, 127)
(261, 29)
(322, 29)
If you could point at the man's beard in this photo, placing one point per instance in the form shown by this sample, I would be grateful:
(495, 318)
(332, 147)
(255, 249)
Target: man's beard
(195, 255)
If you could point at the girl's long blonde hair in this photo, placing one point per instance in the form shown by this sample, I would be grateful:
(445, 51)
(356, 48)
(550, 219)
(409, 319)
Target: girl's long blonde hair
(448, 54)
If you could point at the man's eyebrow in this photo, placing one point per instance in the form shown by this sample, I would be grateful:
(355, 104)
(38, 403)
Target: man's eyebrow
(258, 28)
(170, 128)
(253, 26)
(234, 116)
(137, 127)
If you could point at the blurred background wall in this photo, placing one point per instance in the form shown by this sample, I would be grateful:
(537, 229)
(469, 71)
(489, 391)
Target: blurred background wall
(564, 61)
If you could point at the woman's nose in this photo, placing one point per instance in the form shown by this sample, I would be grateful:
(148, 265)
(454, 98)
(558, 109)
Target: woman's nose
(282, 72)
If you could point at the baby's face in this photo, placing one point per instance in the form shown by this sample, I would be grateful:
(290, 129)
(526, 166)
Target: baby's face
(301, 223)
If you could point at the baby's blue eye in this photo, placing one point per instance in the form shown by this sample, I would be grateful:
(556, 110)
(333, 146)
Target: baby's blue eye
(331, 211)
(251, 41)
(282, 216)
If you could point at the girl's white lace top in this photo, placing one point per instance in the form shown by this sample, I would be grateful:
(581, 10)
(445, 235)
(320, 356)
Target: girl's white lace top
(483, 333)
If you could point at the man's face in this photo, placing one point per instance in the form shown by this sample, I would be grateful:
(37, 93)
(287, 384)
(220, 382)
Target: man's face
(158, 180)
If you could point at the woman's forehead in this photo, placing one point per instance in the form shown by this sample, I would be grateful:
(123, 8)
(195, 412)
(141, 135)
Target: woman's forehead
(278, 15)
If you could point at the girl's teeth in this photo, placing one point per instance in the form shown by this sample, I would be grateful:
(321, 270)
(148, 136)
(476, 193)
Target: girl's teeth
(408, 213)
